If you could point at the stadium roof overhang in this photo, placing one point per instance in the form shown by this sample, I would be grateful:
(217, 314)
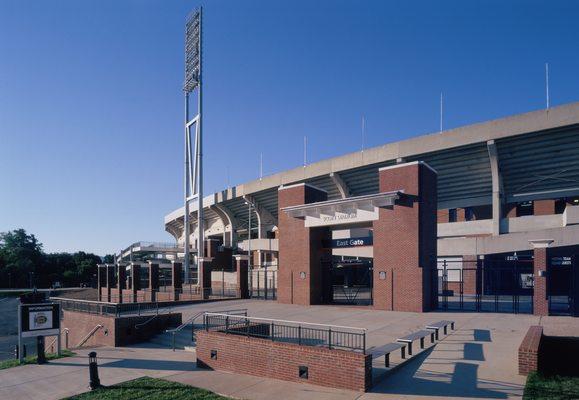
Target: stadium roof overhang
(537, 158)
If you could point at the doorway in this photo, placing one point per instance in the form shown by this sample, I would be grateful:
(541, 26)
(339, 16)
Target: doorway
(351, 282)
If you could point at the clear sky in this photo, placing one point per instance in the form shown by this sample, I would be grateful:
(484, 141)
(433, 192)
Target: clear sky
(91, 106)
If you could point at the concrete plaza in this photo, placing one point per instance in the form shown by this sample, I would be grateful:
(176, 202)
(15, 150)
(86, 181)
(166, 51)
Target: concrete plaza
(477, 360)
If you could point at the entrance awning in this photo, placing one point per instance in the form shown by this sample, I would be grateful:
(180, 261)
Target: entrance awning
(344, 211)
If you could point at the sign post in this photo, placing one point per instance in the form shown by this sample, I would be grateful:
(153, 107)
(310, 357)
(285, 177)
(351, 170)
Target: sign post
(40, 319)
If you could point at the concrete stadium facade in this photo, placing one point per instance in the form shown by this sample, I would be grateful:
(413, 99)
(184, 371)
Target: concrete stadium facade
(503, 186)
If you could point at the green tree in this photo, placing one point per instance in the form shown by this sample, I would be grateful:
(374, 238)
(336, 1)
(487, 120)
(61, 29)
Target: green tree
(21, 256)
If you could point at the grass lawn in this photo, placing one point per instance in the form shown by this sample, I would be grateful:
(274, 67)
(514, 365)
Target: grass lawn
(149, 389)
(551, 387)
(32, 359)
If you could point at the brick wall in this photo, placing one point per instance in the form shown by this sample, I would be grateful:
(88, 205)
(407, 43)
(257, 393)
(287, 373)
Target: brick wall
(540, 302)
(262, 357)
(405, 241)
(529, 350)
(300, 250)
(115, 331)
(544, 207)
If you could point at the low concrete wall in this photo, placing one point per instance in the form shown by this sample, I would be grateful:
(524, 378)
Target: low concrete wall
(115, 331)
(262, 357)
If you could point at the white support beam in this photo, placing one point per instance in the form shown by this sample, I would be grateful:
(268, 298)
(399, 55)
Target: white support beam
(497, 187)
(264, 217)
(340, 184)
(228, 219)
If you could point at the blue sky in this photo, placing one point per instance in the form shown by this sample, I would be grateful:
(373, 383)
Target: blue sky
(91, 107)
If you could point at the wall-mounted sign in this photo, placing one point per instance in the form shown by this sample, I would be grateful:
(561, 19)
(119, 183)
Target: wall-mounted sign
(39, 319)
(338, 218)
(348, 242)
(561, 261)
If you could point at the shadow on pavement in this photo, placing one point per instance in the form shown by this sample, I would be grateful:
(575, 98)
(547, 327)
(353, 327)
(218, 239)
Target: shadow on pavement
(157, 365)
(462, 382)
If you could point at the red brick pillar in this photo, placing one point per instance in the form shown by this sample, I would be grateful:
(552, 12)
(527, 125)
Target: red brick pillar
(540, 300)
(101, 280)
(205, 276)
(176, 279)
(135, 280)
(300, 274)
(121, 281)
(469, 266)
(544, 207)
(241, 262)
(153, 281)
(405, 240)
(110, 276)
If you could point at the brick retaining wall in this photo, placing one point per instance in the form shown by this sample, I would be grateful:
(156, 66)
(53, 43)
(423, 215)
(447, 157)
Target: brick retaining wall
(262, 357)
(529, 350)
(115, 331)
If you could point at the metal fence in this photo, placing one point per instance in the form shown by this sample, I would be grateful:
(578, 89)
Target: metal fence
(112, 309)
(263, 283)
(300, 333)
(486, 285)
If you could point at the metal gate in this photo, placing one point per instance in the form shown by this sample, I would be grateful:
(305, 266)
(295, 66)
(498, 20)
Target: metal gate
(562, 281)
(263, 283)
(351, 283)
(491, 285)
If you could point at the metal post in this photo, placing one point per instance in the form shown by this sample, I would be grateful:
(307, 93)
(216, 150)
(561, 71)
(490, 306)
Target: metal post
(299, 334)
(330, 338)
(271, 333)
(20, 355)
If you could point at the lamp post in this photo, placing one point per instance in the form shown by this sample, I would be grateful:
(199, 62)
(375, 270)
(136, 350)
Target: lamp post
(248, 234)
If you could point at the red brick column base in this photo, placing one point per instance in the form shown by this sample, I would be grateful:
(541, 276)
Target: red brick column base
(529, 350)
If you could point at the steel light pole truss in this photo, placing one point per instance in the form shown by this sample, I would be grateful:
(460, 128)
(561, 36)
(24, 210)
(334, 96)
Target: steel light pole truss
(193, 179)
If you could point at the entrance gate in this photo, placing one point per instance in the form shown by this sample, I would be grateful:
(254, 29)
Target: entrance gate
(263, 284)
(561, 285)
(491, 285)
(351, 283)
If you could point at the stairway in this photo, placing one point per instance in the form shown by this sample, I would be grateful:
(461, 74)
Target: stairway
(182, 339)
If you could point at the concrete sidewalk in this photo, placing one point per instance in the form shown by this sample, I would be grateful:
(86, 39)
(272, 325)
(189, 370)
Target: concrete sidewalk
(477, 361)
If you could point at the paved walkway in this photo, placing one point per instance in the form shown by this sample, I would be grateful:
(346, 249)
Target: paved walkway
(478, 360)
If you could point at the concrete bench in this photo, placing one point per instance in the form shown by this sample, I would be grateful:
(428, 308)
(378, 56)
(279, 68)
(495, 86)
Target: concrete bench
(440, 324)
(415, 336)
(387, 349)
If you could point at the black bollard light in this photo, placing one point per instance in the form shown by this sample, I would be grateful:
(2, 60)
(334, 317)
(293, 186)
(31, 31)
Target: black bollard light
(41, 357)
(93, 371)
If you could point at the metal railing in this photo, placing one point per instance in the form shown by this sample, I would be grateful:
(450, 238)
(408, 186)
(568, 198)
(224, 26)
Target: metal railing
(89, 335)
(113, 309)
(192, 319)
(300, 333)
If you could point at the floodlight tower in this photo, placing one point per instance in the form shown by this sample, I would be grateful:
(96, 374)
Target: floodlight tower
(193, 157)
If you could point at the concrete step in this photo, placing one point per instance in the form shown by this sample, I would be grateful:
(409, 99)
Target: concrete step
(182, 339)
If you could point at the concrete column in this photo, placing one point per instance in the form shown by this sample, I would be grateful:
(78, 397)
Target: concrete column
(121, 281)
(405, 240)
(135, 280)
(205, 276)
(497, 186)
(241, 262)
(153, 280)
(301, 277)
(540, 300)
(176, 279)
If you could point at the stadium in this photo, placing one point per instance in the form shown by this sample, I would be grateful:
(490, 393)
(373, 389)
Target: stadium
(507, 189)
